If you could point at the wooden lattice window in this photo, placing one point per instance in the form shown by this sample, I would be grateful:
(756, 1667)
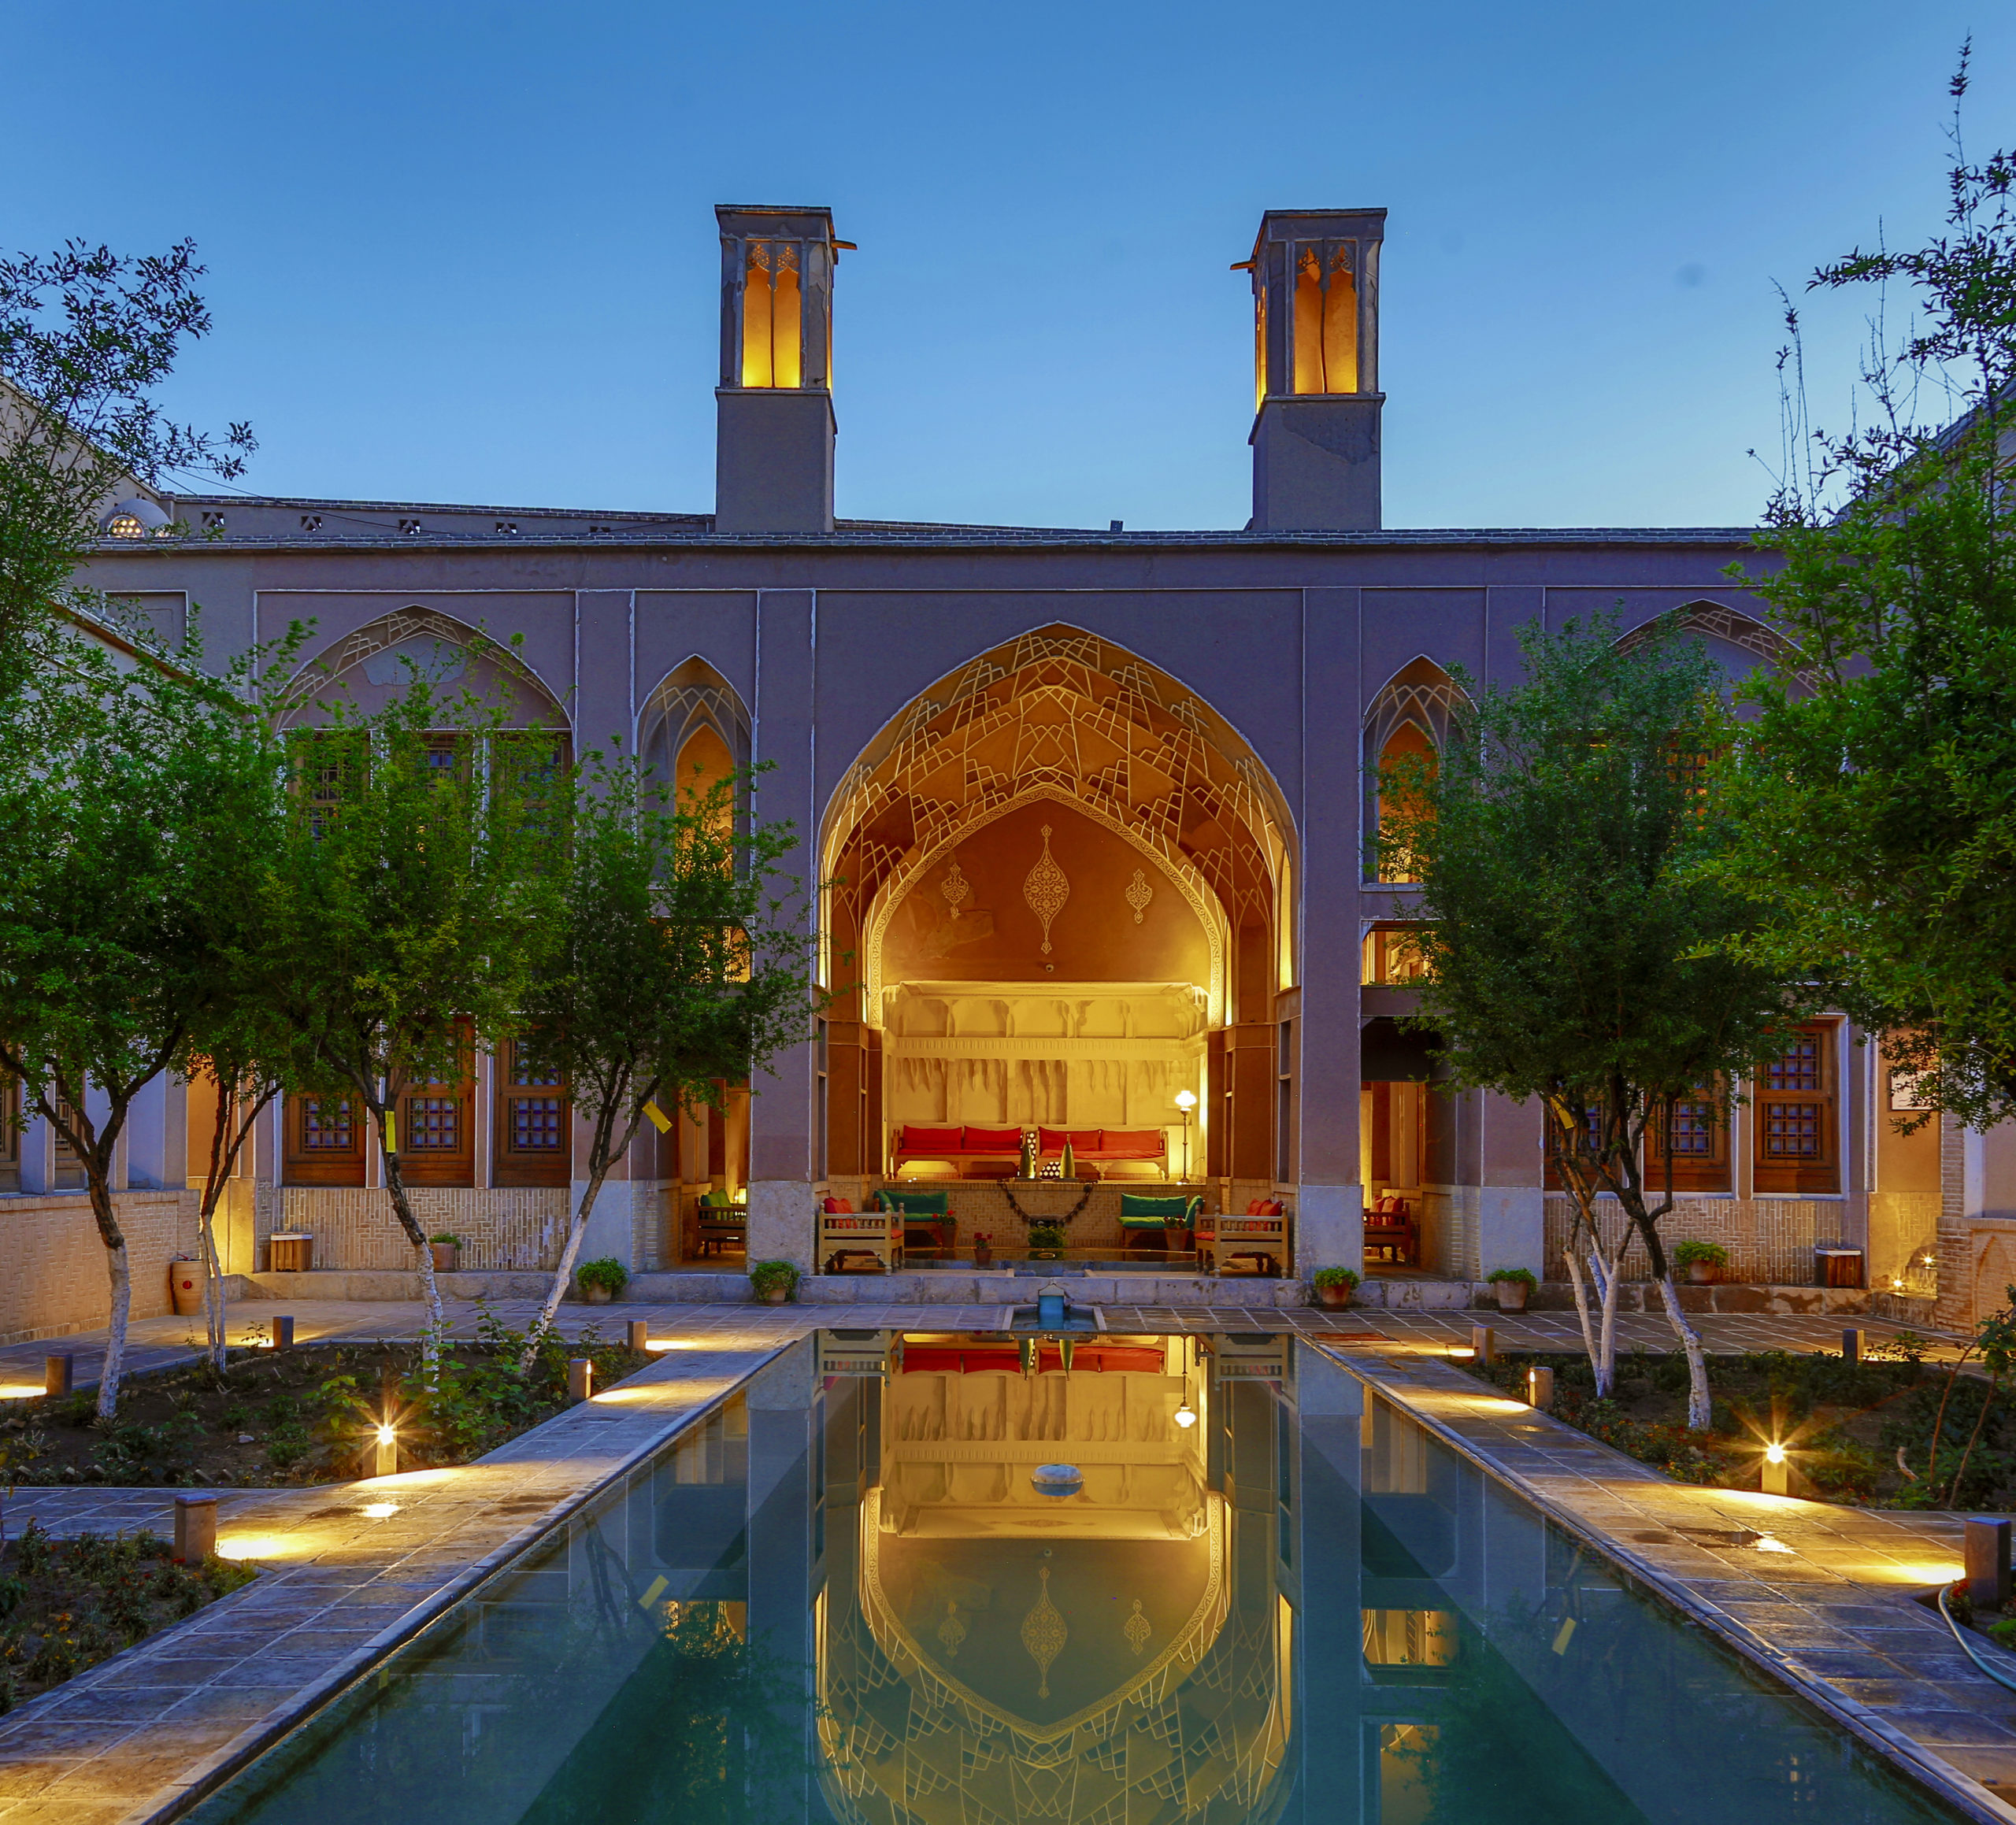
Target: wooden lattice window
(533, 1119)
(436, 1134)
(1697, 1140)
(325, 1140)
(1797, 1121)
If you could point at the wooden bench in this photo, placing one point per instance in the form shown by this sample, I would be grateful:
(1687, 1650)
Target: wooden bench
(850, 1233)
(1260, 1237)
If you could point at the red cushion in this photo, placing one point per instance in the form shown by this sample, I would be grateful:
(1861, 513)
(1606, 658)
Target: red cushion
(1254, 1208)
(840, 1206)
(1087, 1140)
(931, 1140)
(994, 1140)
(1132, 1143)
(1051, 1140)
(1273, 1207)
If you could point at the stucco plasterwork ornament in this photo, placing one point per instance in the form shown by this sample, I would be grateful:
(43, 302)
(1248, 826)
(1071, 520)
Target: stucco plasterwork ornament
(1045, 887)
(1137, 1628)
(952, 1631)
(956, 889)
(1139, 894)
(1044, 1634)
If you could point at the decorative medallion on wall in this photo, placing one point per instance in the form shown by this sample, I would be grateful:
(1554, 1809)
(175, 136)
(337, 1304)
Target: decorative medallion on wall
(1139, 894)
(1046, 889)
(952, 1631)
(957, 889)
(1043, 1632)
(1137, 1628)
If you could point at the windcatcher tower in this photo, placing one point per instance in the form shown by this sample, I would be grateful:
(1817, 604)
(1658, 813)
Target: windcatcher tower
(1316, 370)
(773, 455)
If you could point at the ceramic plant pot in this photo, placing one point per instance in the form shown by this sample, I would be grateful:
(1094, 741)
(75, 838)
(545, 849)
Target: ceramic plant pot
(185, 1287)
(1511, 1295)
(982, 1255)
(777, 1296)
(1700, 1273)
(597, 1294)
(447, 1257)
(1333, 1296)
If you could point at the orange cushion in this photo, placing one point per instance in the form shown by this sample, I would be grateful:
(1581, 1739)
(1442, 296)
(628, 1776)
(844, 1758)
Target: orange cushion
(840, 1206)
(1132, 1143)
(1255, 1206)
(1274, 1207)
(932, 1140)
(993, 1140)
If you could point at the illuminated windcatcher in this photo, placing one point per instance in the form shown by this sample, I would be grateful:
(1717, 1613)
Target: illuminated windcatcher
(776, 296)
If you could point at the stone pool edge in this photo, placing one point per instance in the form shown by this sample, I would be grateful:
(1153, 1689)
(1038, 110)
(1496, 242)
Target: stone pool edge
(1382, 1372)
(209, 1770)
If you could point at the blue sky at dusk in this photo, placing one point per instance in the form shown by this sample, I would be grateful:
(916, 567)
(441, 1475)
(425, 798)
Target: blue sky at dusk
(466, 253)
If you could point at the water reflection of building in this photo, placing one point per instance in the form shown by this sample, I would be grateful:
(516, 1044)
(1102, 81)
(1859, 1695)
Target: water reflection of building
(986, 1654)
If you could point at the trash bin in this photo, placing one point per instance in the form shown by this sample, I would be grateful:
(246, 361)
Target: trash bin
(1835, 1266)
(185, 1287)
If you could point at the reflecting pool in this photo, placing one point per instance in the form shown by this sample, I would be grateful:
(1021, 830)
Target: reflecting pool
(1268, 1595)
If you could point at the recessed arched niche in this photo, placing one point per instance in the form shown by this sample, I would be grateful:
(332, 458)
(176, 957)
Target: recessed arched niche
(369, 669)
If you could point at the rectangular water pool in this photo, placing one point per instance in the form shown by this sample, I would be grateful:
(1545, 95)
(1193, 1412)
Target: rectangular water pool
(1268, 1595)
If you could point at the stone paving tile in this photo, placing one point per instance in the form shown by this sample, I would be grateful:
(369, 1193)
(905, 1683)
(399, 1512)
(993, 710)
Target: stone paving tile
(1832, 1610)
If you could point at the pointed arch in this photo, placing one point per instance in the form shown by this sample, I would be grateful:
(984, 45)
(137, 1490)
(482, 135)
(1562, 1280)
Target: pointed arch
(439, 643)
(1414, 711)
(1060, 710)
(693, 703)
(1195, 892)
(1725, 621)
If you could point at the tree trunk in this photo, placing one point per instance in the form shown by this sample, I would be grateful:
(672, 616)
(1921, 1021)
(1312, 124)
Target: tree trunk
(565, 1272)
(1698, 1404)
(1613, 1278)
(215, 1318)
(430, 1342)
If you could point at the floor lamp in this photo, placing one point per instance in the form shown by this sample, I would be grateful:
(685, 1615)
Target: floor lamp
(1185, 1101)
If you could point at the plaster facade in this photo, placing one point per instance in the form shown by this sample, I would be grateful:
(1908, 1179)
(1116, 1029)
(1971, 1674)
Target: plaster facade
(1201, 713)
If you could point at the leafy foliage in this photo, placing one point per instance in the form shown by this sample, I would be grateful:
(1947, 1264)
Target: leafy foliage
(1874, 794)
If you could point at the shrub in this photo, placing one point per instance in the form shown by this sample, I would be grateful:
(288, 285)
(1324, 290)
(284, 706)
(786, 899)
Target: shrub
(765, 1277)
(1335, 1277)
(1686, 1254)
(448, 1238)
(1523, 1275)
(608, 1271)
(1046, 1235)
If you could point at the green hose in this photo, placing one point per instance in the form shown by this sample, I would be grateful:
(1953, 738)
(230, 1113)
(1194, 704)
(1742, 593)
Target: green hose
(1960, 1635)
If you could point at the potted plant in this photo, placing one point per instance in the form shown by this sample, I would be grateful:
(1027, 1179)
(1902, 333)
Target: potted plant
(446, 1250)
(982, 1251)
(1045, 1241)
(601, 1280)
(1514, 1287)
(1702, 1261)
(774, 1282)
(1334, 1285)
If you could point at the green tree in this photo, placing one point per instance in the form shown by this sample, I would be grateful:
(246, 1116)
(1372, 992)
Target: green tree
(1575, 949)
(87, 336)
(402, 927)
(1874, 792)
(119, 783)
(676, 967)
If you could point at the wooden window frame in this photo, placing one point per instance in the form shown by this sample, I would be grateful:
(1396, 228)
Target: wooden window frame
(323, 1165)
(513, 1165)
(1820, 1174)
(450, 1168)
(1698, 1173)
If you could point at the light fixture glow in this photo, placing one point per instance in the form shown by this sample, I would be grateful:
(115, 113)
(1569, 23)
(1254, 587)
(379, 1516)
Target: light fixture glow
(1461, 1352)
(1185, 1100)
(386, 1435)
(378, 1510)
(1774, 1454)
(1184, 1417)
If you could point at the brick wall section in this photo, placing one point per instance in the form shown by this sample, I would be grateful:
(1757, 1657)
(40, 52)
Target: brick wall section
(55, 1283)
(521, 1228)
(1770, 1241)
(1955, 1310)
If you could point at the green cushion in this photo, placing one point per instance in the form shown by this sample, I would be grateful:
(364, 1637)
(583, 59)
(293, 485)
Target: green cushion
(918, 1203)
(1139, 1212)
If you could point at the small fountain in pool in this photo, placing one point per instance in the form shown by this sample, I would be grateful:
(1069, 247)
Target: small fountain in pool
(1053, 1311)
